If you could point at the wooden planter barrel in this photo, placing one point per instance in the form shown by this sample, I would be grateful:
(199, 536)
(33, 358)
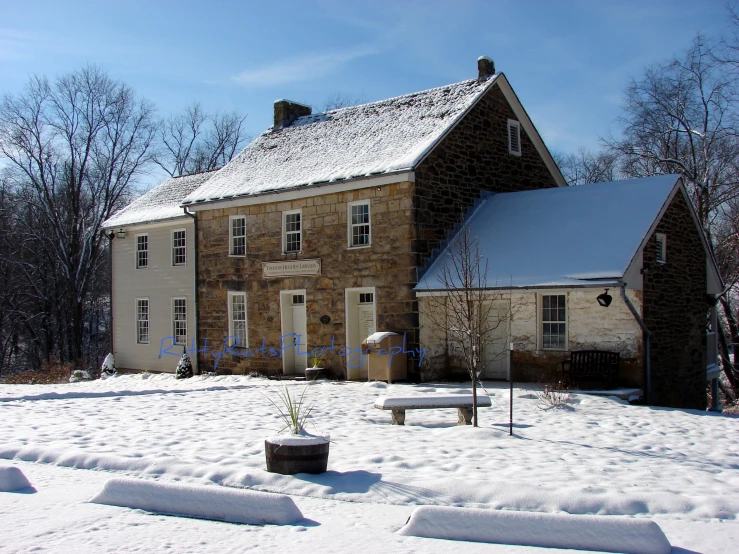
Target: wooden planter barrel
(289, 459)
(311, 373)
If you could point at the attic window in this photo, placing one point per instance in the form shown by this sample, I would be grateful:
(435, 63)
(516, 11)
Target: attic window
(661, 248)
(514, 137)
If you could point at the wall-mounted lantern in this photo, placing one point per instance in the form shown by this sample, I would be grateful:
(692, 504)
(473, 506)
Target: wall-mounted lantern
(121, 234)
(604, 299)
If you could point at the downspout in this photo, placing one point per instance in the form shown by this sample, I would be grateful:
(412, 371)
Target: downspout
(647, 350)
(111, 331)
(195, 284)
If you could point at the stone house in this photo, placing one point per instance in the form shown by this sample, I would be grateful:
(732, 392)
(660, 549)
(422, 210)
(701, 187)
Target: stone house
(153, 277)
(552, 252)
(312, 236)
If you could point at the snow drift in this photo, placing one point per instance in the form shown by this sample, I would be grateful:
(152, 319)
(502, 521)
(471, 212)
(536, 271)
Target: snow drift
(206, 502)
(12, 479)
(601, 533)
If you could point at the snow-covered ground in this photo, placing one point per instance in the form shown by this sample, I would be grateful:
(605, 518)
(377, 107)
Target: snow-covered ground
(601, 456)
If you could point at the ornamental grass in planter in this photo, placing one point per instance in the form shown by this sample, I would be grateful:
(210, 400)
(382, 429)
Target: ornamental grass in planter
(295, 450)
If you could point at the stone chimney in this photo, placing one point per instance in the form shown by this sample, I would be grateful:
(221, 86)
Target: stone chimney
(485, 67)
(286, 112)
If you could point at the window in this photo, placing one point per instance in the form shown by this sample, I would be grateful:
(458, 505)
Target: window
(366, 298)
(661, 246)
(179, 320)
(298, 299)
(142, 320)
(514, 137)
(237, 235)
(179, 247)
(237, 320)
(553, 322)
(359, 224)
(142, 251)
(291, 234)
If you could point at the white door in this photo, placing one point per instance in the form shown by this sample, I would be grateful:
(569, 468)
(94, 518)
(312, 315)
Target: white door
(295, 359)
(495, 349)
(366, 320)
(360, 323)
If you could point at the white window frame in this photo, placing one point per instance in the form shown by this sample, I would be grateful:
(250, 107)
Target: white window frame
(514, 127)
(143, 324)
(231, 331)
(285, 232)
(350, 225)
(145, 251)
(176, 321)
(543, 322)
(232, 238)
(175, 248)
(661, 248)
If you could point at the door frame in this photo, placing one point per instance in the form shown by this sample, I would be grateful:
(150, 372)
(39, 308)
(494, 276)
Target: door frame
(285, 310)
(350, 372)
(505, 304)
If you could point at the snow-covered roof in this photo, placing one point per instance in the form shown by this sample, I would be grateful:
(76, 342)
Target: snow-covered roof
(160, 203)
(370, 139)
(566, 236)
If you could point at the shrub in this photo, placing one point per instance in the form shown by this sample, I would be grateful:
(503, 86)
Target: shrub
(108, 368)
(50, 373)
(184, 367)
(554, 395)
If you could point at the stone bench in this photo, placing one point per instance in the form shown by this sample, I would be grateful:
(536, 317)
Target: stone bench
(463, 403)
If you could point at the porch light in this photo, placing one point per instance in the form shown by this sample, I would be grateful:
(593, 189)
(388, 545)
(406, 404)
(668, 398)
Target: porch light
(605, 299)
(121, 234)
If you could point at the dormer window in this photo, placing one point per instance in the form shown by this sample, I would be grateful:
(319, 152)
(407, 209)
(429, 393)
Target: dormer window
(514, 137)
(661, 248)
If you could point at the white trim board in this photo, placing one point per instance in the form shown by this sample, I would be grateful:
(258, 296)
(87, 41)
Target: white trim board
(306, 191)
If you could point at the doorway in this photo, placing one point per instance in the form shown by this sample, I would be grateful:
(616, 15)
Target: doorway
(294, 336)
(361, 322)
(496, 359)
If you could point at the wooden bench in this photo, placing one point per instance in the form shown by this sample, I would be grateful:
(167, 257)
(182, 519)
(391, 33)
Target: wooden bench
(463, 403)
(591, 366)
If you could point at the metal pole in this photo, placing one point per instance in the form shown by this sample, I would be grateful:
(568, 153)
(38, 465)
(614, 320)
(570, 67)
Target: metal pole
(510, 378)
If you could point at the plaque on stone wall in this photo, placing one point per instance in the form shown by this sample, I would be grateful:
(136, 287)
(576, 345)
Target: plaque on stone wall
(290, 268)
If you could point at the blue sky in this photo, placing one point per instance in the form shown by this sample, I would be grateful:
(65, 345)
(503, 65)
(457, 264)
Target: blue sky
(568, 61)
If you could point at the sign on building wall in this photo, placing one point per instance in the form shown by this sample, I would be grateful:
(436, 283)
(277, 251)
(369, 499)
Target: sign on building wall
(288, 268)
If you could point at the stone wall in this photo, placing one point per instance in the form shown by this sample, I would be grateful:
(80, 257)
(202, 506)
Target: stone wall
(473, 157)
(589, 326)
(388, 265)
(675, 311)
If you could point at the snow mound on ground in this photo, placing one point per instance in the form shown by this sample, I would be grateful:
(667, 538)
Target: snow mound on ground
(601, 533)
(12, 479)
(206, 502)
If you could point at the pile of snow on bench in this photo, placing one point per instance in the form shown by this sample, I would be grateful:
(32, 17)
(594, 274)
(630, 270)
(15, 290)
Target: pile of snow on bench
(430, 401)
(600, 533)
(12, 479)
(205, 502)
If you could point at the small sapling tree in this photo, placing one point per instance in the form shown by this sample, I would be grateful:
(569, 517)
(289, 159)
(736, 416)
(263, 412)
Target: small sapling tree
(469, 310)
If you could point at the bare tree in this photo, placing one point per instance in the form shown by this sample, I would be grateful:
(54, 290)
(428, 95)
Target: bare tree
(586, 166)
(469, 311)
(682, 117)
(73, 149)
(195, 141)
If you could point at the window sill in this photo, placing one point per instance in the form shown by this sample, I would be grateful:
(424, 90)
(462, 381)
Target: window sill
(361, 247)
